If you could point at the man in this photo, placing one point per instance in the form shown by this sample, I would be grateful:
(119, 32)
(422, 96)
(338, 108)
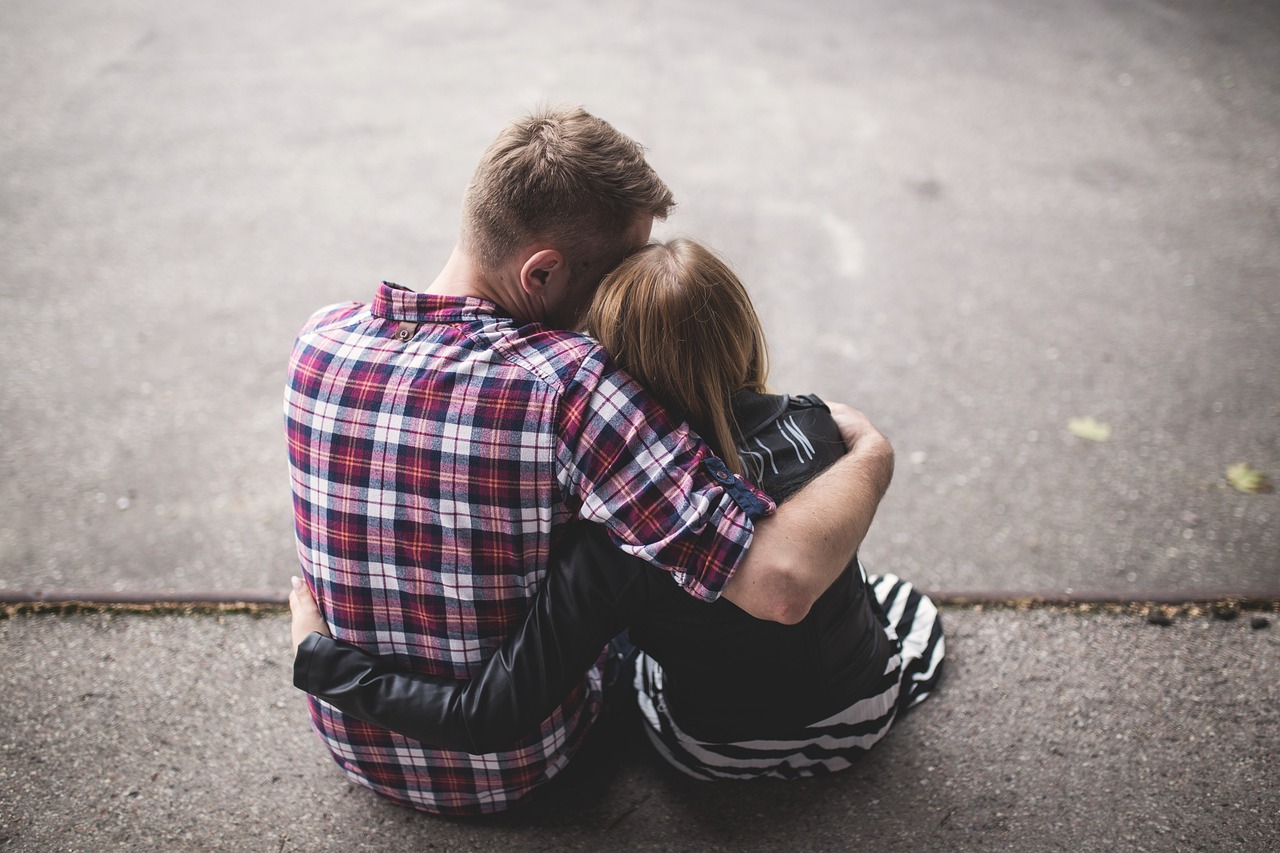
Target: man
(437, 441)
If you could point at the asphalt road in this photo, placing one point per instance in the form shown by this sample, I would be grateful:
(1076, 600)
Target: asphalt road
(1051, 731)
(973, 220)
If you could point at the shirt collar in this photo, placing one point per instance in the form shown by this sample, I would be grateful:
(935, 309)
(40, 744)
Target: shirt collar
(395, 302)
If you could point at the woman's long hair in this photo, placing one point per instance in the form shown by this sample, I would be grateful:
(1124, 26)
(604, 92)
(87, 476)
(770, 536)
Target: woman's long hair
(676, 318)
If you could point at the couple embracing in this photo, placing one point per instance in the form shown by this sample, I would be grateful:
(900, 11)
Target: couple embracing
(558, 466)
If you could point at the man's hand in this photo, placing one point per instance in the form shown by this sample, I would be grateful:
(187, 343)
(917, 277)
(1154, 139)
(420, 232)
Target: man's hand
(306, 615)
(855, 427)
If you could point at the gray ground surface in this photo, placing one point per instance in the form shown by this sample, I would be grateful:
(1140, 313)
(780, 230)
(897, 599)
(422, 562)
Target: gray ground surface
(1052, 730)
(975, 220)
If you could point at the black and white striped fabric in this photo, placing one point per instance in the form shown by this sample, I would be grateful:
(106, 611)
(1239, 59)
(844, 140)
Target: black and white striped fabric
(912, 623)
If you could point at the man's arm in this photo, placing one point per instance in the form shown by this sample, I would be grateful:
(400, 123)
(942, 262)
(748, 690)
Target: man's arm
(798, 552)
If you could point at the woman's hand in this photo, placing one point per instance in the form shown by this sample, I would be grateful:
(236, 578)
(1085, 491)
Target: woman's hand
(306, 615)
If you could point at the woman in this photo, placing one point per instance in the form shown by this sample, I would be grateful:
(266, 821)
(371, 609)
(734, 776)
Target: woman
(723, 695)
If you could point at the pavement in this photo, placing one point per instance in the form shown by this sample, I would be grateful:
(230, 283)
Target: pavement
(974, 221)
(1053, 730)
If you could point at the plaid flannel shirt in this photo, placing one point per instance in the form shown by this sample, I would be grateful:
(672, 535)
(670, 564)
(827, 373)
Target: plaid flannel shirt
(435, 446)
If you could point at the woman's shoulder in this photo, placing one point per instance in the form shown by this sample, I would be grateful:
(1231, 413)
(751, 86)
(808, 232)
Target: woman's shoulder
(755, 411)
(786, 440)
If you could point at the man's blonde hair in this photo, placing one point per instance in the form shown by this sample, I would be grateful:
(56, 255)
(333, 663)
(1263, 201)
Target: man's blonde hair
(676, 318)
(563, 176)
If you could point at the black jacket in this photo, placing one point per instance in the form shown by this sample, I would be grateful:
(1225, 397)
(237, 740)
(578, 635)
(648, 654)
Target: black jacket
(729, 676)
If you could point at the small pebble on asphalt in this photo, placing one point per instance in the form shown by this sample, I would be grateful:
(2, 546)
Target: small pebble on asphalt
(1225, 612)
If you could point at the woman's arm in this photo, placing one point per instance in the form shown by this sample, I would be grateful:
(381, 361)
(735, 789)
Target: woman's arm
(591, 592)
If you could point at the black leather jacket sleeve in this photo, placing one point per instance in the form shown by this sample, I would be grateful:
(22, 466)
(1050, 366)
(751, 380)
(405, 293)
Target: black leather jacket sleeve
(591, 593)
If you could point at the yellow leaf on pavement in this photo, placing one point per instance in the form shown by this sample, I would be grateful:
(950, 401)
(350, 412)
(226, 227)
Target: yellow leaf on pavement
(1244, 479)
(1089, 429)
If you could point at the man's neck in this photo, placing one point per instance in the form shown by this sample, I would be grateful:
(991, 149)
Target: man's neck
(462, 276)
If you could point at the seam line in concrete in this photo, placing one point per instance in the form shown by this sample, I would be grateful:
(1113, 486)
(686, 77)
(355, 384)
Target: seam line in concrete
(257, 600)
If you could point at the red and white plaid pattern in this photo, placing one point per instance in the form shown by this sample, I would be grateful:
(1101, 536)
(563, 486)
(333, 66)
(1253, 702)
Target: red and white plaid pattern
(429, 476)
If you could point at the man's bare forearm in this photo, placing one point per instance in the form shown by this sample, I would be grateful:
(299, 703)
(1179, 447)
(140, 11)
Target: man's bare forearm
(803, 547)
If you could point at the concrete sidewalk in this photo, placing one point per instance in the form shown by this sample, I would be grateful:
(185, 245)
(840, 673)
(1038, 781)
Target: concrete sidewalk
(1054, 730)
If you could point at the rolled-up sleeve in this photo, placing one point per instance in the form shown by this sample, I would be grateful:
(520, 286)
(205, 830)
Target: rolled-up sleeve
(654, 484)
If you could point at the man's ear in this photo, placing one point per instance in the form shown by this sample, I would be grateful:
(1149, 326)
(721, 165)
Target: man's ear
(542, 270)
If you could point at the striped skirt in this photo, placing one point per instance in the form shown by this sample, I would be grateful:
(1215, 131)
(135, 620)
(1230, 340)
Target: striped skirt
(828, 745)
